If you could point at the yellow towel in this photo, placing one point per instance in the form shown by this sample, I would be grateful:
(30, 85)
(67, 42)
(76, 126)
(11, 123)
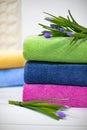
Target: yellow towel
(11, 59)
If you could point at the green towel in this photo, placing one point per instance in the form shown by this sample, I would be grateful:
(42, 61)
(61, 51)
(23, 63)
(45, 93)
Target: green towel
(55, 49)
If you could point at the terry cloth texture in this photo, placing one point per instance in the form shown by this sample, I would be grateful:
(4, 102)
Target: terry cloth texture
(11, 77)
(75, 96)
(10, 24)
(11, 59)
(55, 73)
(55, 49)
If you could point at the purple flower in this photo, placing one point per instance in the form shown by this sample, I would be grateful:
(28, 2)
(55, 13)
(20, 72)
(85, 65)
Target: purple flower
(48, 18)
(60, 114)
(69, 33)
(47, 34)
(53, 26)
(61, 29)
(44, 31)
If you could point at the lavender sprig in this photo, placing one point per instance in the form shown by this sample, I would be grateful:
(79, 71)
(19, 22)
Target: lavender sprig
(65, 27)
(60, 114)
(43, 106)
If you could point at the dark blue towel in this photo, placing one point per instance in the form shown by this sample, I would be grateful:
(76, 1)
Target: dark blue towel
(55, 73)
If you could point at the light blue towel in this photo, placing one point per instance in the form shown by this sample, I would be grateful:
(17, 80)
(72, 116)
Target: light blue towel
(11, 77)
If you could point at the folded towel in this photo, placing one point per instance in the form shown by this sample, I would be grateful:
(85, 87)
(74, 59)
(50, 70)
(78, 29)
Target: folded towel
(55, 73)
(75, 96)
(56, 49)
(11, 59)
(11, 77)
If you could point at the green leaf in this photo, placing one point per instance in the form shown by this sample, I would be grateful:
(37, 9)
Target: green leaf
(47, 111)
(35, 101)
(50, 15)
(72, 17)
(79, 35)
(47, 105)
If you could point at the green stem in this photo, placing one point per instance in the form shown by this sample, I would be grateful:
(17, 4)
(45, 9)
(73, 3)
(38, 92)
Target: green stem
(43, 109)
(13, 102)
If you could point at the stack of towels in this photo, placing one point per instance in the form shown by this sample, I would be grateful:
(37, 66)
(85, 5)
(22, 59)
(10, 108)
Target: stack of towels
(11, 68)
(55, 68)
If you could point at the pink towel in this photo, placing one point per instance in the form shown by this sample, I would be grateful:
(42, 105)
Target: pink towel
(76, 95)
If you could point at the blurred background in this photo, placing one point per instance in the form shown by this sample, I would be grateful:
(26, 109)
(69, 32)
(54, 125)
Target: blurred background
(20, 18)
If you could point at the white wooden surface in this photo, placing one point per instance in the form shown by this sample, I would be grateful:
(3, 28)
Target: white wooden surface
(14, 117)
